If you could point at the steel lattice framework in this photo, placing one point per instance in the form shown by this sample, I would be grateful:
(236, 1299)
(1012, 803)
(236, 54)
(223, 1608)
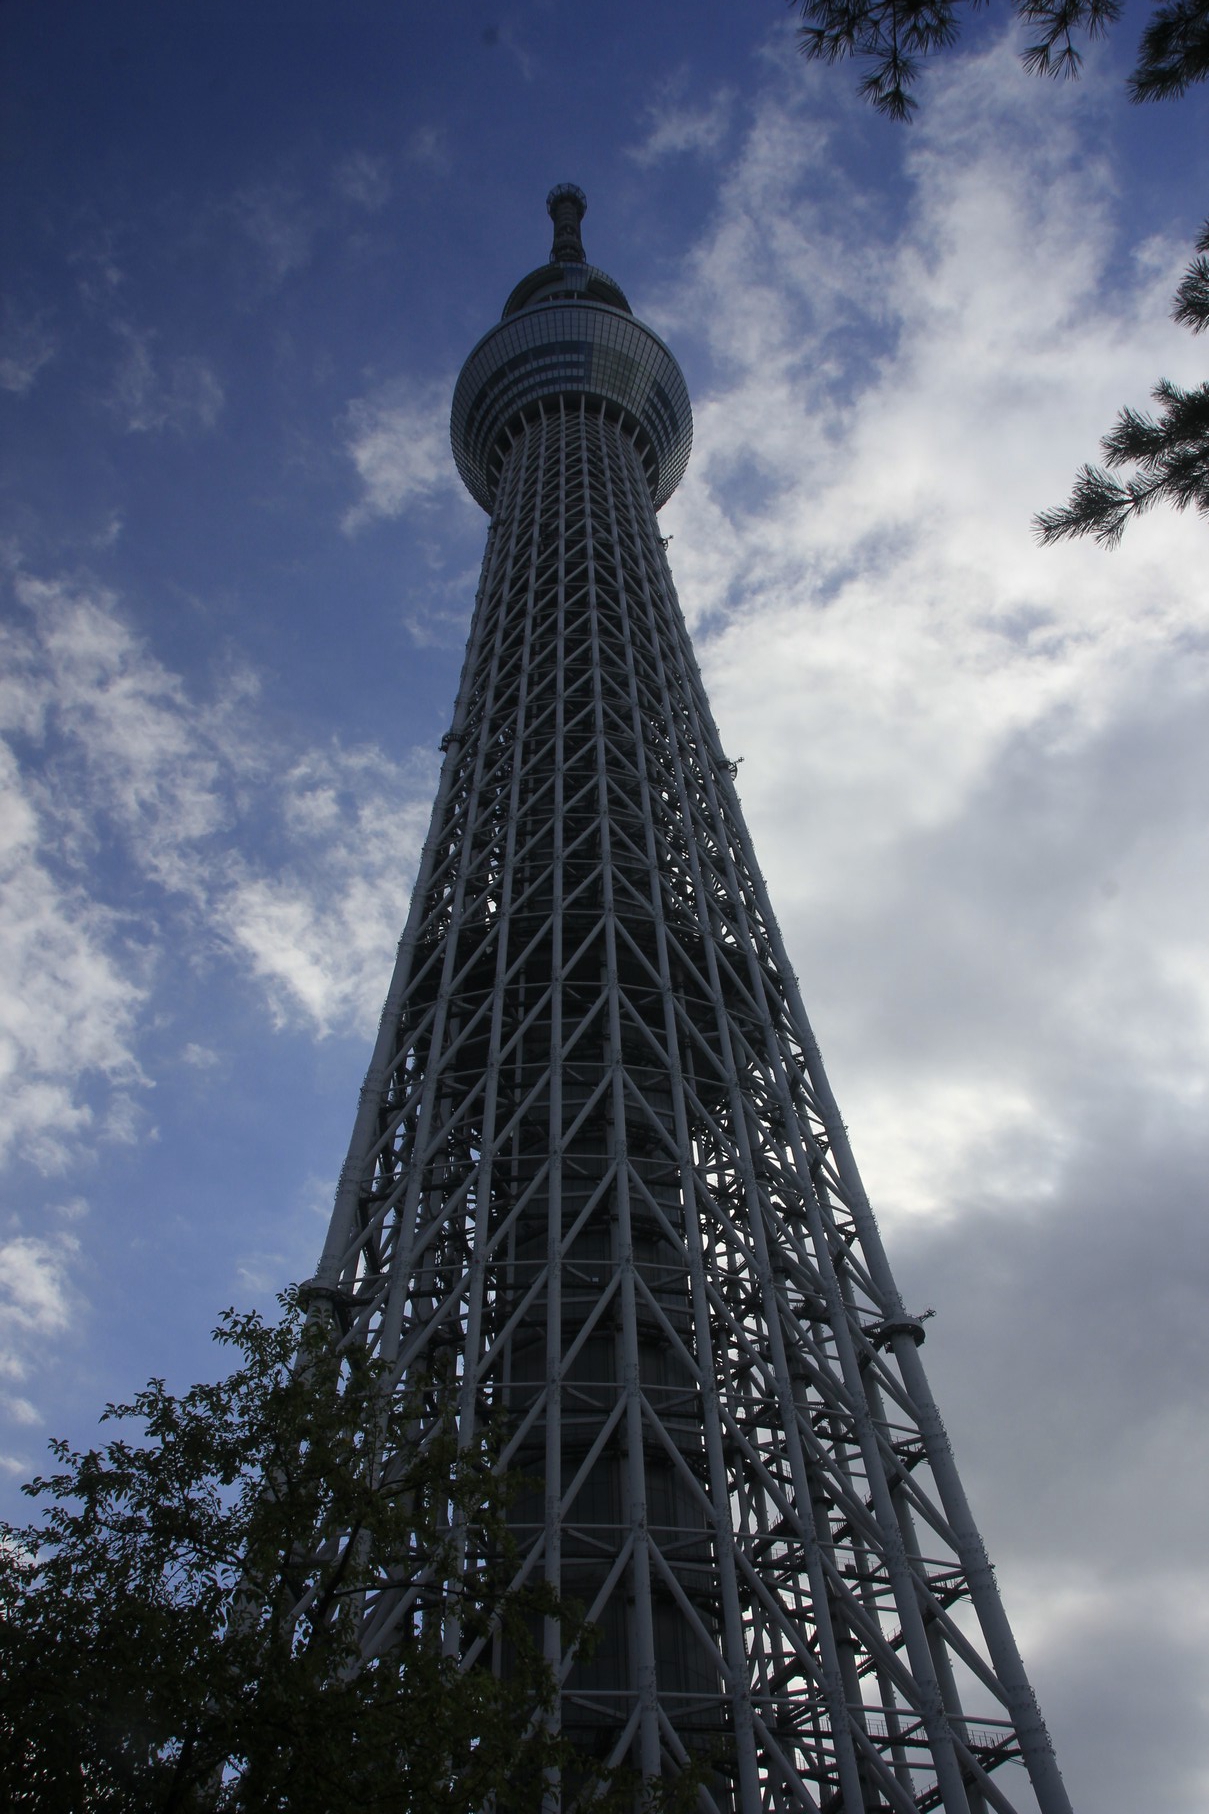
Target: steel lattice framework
(599, 1186)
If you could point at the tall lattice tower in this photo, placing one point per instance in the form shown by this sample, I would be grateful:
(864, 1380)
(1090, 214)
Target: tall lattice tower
(598, 1182)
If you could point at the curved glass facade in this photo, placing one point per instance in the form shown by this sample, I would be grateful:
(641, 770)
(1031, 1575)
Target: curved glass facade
(556, 282)
(570, 347)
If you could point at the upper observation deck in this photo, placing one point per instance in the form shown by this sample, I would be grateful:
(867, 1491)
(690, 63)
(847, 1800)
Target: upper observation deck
(568, 331)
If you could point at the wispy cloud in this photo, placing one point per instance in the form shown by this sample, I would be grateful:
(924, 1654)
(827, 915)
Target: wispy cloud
(69, 1001)
(120, 784)
(37, 1293)
(109, 760)
(504, 37)
(319, 931)
(153, 391)
(43, 1309)
(428, 148)
(280, 225)
(398, 441)
(95, 260)
(364, 180)
(292, 1236)
(126, 747)
(26, 345)
(677, 126)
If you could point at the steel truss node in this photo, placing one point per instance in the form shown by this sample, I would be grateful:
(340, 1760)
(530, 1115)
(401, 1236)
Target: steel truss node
(599, 1186)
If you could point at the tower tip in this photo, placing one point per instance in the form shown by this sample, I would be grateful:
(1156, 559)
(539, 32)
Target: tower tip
(566, 205)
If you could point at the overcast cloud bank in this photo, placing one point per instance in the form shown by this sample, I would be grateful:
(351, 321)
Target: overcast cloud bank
(975, 775)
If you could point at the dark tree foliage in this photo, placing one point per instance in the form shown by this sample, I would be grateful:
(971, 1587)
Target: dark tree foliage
(1170, 453)
(1174, 52)
(176, 1636)
(894, 37)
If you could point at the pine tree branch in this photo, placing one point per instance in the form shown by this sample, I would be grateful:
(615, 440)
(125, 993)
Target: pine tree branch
(1172, 459)
(894, 36)
(1191, 308)
(1174, 52)
(1055, 53)
(1171, 454)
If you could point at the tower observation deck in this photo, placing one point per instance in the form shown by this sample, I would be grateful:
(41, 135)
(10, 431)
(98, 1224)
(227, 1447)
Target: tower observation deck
(599, 1197)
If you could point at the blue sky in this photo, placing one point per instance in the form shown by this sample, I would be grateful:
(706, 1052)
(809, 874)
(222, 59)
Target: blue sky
(247, 249)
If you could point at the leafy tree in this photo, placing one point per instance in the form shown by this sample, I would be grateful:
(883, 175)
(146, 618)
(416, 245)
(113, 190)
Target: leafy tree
(1170, 454)
(175, 1635)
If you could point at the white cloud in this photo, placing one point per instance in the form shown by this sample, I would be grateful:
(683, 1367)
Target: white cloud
(41, 1309)
(124, 772)
(677, 126)
(432, 625)
(68, 1004)
(153, 392)
(39, 1300)
(974, 780)
(135, 747)
(943, 722)
(399, 443)
(320, 932)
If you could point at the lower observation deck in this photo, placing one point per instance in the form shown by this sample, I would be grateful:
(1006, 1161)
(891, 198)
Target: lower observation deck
(570, 348)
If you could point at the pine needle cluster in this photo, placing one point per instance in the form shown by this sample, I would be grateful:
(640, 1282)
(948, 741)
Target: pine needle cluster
(1169, 451)
(894, 37)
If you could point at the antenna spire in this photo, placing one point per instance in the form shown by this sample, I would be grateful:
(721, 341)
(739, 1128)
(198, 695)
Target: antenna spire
(566, 205)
